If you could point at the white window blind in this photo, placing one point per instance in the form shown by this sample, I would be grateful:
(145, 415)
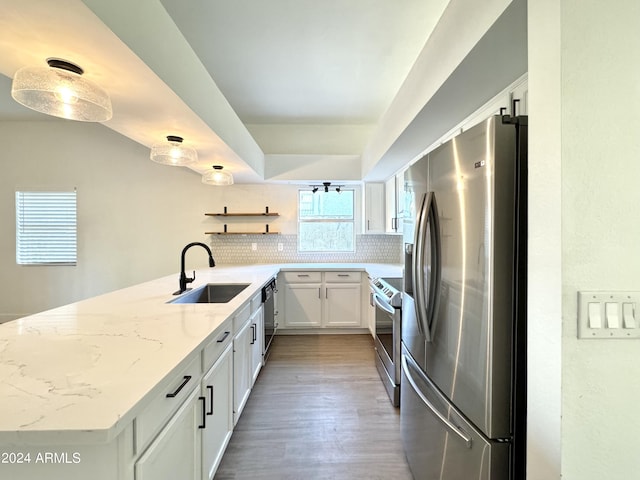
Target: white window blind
(46, 232)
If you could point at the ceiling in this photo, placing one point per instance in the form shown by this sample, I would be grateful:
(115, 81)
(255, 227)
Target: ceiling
(275, 91)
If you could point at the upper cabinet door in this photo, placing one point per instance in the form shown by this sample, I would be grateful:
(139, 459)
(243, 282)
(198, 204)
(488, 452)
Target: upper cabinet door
(394, 203)
(374, 212)
(391, 217)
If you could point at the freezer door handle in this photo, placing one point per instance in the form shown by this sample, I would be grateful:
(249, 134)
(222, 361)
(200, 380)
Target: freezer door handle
(448, 424)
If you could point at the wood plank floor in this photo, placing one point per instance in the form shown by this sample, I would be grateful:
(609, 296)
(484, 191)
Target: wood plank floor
(318, 411)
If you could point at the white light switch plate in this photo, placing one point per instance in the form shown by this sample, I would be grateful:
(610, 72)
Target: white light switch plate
(611, 315)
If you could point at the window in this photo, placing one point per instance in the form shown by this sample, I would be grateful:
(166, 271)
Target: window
(46, 231)
(326, 221)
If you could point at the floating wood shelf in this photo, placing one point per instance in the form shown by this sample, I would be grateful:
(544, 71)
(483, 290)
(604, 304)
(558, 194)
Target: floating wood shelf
(226, 213)
(241, 233)
(243, 214)
(266, 213)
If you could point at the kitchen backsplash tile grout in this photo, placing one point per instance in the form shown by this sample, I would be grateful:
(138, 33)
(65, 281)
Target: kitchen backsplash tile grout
(236, 250)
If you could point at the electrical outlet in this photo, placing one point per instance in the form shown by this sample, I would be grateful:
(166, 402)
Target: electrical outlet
(254, 246)
(280, 247)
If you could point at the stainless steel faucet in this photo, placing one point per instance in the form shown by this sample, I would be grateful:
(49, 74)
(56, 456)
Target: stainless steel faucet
(184, 280)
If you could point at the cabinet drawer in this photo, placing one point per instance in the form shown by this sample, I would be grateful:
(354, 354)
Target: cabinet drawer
(256, 301)
(302, 277)
(343, 277)
(216, 346)
(156, 414)
(241, 317)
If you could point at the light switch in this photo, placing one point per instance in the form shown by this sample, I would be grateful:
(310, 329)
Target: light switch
(608, 315)
(612, 314)
(628, 319)
(595, 318)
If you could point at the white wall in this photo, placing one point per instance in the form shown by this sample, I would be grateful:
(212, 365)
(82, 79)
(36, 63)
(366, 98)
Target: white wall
(584, 81)
(600, 232)
(134, 216)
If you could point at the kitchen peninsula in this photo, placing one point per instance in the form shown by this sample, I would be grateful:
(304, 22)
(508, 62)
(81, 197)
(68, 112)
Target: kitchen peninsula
(84, 387)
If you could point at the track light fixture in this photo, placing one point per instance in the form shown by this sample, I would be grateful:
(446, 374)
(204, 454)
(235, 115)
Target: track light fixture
(325, 186)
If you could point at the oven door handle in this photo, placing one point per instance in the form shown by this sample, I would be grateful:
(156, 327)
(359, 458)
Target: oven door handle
(383, 305)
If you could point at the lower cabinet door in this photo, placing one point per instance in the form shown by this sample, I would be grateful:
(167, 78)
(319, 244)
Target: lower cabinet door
(242, 369)
(217, 388)
(303, 305)
(257, 325)
(175, 453)
(343, 302)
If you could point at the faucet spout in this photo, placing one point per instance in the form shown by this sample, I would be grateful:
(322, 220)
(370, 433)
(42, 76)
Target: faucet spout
(184, 280)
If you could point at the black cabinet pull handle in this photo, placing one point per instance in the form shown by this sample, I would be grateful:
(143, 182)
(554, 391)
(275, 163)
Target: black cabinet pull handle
(253, 333)
(224, 337)
(210, 388)
(204, 411)
(184, 382)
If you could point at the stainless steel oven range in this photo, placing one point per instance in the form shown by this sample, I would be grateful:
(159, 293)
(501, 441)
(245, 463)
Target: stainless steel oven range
(386, 296)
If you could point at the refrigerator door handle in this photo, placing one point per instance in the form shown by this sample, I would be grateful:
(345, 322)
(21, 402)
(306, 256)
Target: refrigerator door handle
(449, 425)
(436, 269)
(417, 265)
(427, 309)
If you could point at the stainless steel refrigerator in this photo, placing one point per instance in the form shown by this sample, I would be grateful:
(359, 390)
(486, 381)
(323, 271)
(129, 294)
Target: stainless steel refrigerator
(463, 402)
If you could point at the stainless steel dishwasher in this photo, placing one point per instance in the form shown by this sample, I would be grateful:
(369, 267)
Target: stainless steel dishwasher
(270, 324)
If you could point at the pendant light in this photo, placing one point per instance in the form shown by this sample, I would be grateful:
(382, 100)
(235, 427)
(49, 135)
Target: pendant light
(61, 91)
(217, 177)
(173, 152)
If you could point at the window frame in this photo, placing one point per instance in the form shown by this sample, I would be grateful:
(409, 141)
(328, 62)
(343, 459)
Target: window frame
(352, 221)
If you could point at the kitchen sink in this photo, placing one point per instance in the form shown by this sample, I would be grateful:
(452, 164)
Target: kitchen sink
(212, 293)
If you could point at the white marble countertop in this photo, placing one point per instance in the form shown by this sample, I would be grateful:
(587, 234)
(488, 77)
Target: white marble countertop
(80, 373)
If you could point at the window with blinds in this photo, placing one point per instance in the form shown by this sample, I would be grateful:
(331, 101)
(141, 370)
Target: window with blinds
(46, 228)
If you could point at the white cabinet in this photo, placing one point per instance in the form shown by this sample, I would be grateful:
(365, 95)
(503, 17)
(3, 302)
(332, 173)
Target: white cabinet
(242, 369)
(322, 300)
(159, 409)
(217, 389)
(394, 203)
(302, 305)
(257, 349)
(342, 305)
(175, 452)
(374, 208)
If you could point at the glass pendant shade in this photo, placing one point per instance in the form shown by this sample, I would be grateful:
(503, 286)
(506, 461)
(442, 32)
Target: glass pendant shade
(61, 91)
(217, 177)
(173, 152)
